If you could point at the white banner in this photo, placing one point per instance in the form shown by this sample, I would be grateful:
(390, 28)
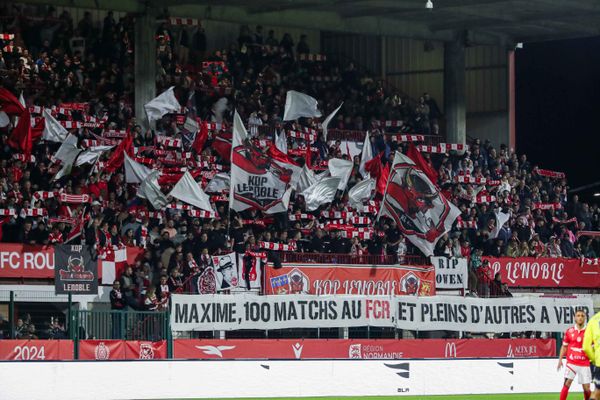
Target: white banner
(246, 311)
(506, 314)
(450, 273)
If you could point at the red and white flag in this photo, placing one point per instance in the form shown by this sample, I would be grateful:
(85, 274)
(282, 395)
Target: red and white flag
(422, 213)
(115, 262)
(258, 181)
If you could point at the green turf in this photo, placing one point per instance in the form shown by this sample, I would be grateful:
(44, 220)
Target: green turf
(534, 396)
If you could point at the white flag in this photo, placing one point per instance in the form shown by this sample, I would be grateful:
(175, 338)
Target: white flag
(501, 219)
(191, 125)
(281, 142)
(219, 183)
(299, 105)
(22, 101)
(91, 155)
(328, 119)
(341, 169)
(53, 130)
(320, 193)
(361, 192)
(134, 171)
(67, 153)
(188, 191)
(308, 178)
(162, 104)
(218, 109)
(422, 213)
(4, 119)
(150, 190)
(367, 155)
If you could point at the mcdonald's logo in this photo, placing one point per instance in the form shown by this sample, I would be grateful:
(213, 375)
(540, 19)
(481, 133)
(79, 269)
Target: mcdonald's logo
(450, 350)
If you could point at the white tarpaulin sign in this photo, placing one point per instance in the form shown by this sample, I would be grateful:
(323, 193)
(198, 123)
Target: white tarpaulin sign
(246, 311)
(450, 273)
(506, 314)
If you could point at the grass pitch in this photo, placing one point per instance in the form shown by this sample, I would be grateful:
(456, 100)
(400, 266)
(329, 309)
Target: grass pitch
(532, 396)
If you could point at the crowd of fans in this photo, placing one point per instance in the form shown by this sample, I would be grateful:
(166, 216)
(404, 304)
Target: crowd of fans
(54, 60)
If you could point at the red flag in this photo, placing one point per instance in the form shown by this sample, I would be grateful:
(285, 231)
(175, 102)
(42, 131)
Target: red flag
(117, 159)
(308, 157)
(280, 156)
(377, 171)
(222, 145)
(200, 139)
(9, 103)
(425, 166)
(23, 137)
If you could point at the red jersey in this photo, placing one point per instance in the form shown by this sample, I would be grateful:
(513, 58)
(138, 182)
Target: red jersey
(574, 340)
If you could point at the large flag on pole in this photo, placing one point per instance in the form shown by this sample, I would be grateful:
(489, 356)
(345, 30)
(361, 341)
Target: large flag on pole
(422, 213)
(258, 181)
(164, 103)
(188, 191)
(366, 156)
(300, 105)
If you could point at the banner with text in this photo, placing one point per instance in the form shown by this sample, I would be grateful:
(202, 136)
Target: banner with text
(450, 273)
(343, 349)
(226, 312)
(26, 261)
(545, 272)
(248, 311)
(371, 280)
(33, 350)
(76, 270)
(507, 314)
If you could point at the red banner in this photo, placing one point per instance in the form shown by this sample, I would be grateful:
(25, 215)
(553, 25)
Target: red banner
(327, 279)
(361, 349)
(26, 261)
(33, 350)
(122, 350)
(545, 272)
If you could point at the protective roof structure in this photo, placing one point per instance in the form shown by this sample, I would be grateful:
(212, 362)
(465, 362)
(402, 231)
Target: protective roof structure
(480, 21)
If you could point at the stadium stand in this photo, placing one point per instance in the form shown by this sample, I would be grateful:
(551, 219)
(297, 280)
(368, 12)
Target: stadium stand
(83, 78)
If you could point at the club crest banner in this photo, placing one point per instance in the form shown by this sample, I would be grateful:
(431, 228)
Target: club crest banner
(350, 280)
(422, 213)
(258, 181)
(76, 272)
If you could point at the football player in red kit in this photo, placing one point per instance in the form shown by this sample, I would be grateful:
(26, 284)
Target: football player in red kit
(577, 362)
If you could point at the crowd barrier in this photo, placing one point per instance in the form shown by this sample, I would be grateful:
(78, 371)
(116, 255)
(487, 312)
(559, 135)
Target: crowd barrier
(275, 349)
(19, 261)
(237, 379)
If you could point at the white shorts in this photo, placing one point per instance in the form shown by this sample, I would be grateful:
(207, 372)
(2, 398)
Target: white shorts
(584, 374)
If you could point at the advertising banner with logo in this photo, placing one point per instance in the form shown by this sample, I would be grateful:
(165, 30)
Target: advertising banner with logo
(450, 273)
(76, 270)
(26, 261)
(33, 350)
(545, 272)
(509, 314)
(327, 279)
(122, 350)
(279, 349)
(248, 311)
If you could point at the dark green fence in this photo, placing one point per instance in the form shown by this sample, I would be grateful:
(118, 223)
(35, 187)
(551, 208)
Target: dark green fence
(125, 325)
